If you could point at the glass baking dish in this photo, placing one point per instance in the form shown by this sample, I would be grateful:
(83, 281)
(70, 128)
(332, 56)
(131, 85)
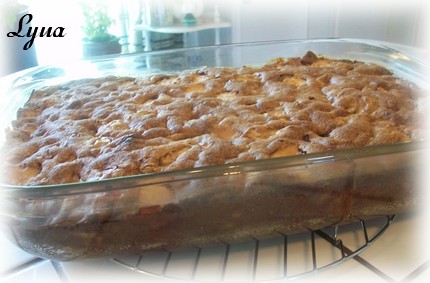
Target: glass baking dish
(221, 203)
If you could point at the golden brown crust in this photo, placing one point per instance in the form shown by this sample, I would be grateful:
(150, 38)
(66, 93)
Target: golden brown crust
(108, 127)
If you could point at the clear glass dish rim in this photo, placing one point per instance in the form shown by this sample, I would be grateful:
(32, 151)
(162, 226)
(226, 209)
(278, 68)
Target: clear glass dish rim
(387, 46)
(142, 180)
(384, 45)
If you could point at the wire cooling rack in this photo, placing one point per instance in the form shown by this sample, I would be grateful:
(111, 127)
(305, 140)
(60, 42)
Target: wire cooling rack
(274, 259)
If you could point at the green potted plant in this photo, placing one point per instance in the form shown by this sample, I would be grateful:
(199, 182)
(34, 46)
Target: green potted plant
(98, 40)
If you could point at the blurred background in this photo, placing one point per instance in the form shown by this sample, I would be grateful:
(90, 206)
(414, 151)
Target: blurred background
(127, 26)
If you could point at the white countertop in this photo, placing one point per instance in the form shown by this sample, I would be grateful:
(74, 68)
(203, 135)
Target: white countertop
(179, 28)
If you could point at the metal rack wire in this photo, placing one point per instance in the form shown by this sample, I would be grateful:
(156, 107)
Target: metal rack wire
(281, 258)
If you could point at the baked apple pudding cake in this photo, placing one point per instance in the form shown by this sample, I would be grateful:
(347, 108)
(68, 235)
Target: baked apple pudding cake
(101, 128)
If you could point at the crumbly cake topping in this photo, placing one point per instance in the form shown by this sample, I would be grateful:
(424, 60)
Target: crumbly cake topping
(118, 126)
